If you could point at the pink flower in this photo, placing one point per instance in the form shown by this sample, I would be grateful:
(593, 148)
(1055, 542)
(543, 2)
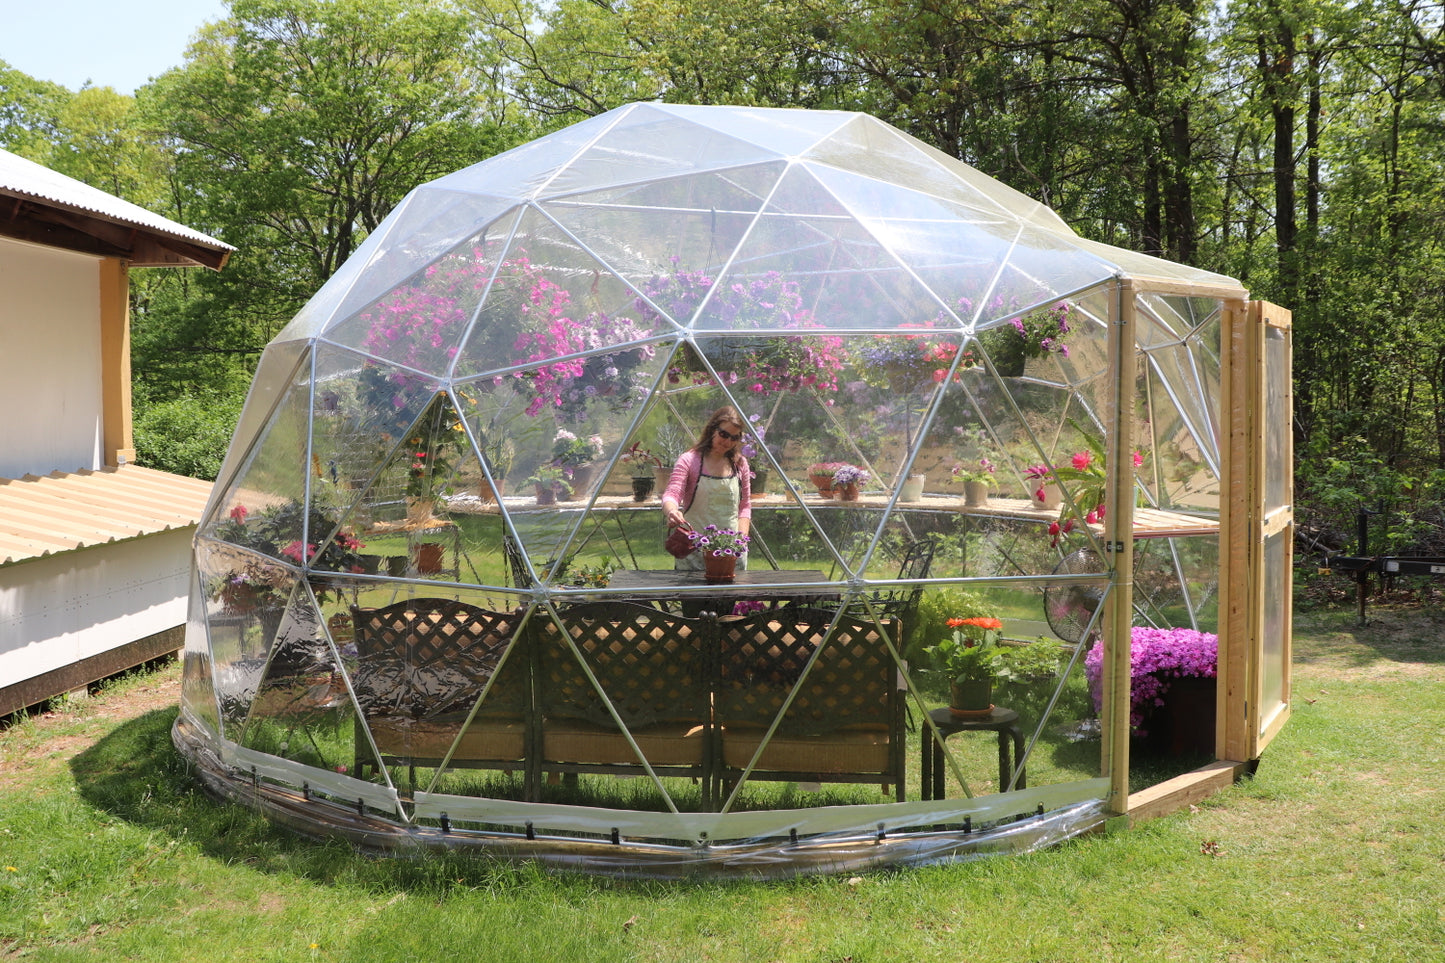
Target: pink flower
(1082, 460)
(238, 514)
(1138, 459)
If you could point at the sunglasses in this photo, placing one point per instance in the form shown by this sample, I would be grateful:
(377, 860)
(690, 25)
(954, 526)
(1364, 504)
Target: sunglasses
(727, 434)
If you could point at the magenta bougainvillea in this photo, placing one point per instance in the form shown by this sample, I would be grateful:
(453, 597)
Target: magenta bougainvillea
(1157, 657)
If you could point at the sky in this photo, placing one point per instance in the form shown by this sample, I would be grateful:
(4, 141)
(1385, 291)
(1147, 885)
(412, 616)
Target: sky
(108, 42)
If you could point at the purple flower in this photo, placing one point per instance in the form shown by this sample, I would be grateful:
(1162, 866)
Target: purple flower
(1157, 657)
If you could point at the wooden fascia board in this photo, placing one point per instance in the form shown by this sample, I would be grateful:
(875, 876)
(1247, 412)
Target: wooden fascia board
(28, 219)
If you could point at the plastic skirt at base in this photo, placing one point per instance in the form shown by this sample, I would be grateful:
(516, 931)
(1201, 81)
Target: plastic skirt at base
(773, 844)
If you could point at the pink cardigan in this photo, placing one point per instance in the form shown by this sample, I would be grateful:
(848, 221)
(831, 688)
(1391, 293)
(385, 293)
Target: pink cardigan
(683, 483)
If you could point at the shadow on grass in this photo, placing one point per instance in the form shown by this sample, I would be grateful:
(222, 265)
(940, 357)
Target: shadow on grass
(1403, 634)
(135, 774)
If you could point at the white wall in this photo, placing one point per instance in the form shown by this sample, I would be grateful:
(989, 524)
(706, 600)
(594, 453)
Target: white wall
(50, 390)
(64, 608)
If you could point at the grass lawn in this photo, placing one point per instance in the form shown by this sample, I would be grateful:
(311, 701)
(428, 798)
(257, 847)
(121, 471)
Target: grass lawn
(1335, 850)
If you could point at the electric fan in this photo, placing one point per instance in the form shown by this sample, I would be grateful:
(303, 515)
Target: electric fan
(1070, 606)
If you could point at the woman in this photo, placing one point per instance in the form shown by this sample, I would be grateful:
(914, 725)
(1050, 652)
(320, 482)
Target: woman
(711, 484)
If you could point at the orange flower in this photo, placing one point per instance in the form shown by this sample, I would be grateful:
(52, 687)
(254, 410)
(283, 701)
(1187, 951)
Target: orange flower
(982, 622)
(954, 623)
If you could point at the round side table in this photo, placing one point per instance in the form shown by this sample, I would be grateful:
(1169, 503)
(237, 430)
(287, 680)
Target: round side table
(1005, 722)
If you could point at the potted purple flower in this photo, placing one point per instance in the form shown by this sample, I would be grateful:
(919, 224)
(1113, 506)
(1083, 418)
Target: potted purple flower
(721, 548)
(1172, 689)
(847, 480)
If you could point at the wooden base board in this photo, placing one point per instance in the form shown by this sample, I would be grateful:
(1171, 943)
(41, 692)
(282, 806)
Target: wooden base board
(47, 685)
(1174, 794)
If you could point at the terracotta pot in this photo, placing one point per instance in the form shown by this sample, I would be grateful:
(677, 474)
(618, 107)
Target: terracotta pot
(973, 698)
(824, 484)
(581, 482)
(912, 489)
(719, 568)
(429, 557)
(641, 487)
(848, 493)
(975, 494)
(490, 492)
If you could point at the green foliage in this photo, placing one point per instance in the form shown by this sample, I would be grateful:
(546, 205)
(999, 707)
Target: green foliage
(968, 654)
(935, 608)
(187, 435)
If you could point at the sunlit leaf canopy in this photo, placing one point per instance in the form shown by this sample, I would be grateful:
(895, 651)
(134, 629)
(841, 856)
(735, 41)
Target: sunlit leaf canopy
(575, 309)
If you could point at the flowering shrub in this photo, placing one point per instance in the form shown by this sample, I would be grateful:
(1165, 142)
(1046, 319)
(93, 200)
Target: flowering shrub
(569, 451)
(913, 359)
(756, 441)
(1157, 657)
(550, 330)
(274, 532)
(1043, 331)
(769, 304)
(719, 541)
(1087, 475)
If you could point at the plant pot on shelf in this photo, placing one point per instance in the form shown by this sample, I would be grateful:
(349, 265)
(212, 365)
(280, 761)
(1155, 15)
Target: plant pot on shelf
(642, 487)
(848, 493)
(912, 489)
(546, 495)
(759, 482)
(719, 568)
(972, 699)
(824, 484)
(975, 494)
(1053, 497)
(661, 476)
(490, 492)
(581, 482)
(429, 557)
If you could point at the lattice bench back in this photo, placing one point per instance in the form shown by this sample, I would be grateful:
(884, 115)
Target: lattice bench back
(653, 666)
(762, 658)
(429, 657)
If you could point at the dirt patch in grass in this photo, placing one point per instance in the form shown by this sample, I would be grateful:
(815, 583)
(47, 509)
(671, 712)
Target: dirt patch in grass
(68, 727)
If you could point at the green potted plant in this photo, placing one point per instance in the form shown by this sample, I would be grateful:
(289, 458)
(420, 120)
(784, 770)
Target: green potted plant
(575, 456)
(500, 453)
(976, 478)
(645, 466)
(550, 482)
(968, 659)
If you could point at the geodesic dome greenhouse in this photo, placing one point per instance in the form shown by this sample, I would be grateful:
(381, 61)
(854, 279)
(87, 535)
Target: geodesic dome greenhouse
(432, 606)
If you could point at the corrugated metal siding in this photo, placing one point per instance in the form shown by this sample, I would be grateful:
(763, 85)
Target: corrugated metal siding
(64, 511)
(21, 176)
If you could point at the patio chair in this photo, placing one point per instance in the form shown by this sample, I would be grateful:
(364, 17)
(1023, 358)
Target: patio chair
(845, 723)
(654, 670)
(423, 664)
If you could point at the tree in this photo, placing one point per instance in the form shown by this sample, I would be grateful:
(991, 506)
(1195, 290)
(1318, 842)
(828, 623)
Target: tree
(299, 124)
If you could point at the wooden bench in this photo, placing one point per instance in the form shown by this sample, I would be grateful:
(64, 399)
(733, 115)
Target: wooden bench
(694, 697)
(422, 666)
(832, 687)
